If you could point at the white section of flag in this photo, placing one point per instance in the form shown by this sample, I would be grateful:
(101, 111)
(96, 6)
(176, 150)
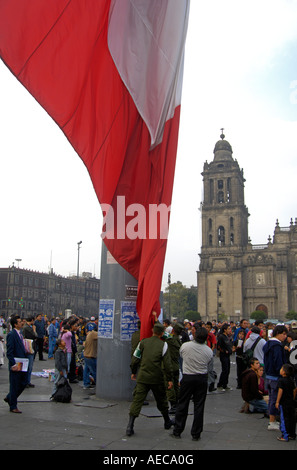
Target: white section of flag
(146, 39)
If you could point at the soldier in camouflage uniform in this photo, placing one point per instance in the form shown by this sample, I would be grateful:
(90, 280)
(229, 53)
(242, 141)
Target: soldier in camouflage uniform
(135, 338)
(174, 344)
(152, 362)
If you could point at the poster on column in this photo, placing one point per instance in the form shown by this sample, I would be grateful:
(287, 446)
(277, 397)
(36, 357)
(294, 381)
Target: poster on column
(106, 318)
(129, 318)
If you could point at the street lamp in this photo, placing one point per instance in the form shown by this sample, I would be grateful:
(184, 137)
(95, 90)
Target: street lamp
(18, 260)
(78, 247)
(169, 282)
(218, 299)
(77, 275)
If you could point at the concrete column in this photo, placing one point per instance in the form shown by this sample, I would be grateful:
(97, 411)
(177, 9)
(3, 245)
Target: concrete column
(114, 353)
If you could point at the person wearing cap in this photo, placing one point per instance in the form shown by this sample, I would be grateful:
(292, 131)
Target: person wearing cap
(151, 360)
(91, 325)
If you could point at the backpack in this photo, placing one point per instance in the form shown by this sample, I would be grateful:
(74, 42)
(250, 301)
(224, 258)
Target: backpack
(249, 353)
(64, 391)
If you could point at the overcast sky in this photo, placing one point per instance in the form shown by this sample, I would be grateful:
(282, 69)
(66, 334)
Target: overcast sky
(240, 74)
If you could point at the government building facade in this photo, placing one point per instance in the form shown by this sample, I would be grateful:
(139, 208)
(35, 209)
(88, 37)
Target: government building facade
(29, 293)
(235, 278)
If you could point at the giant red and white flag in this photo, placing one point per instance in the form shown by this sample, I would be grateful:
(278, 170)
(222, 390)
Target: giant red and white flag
(109, 72)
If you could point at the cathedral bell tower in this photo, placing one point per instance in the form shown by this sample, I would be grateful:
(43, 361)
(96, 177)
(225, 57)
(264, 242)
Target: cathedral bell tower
(224, 236)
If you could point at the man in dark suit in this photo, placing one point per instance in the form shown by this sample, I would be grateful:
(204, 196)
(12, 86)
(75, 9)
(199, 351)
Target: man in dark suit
(17, 378)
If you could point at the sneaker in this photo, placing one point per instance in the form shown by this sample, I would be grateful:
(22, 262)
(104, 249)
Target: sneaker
(221, 389)
(273, 426)
(228, 389)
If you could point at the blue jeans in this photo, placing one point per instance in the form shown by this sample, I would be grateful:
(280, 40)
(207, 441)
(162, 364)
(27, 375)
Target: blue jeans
(272, 391)
(90, 368)
(69, 356)
(51, 346)
(258, 406)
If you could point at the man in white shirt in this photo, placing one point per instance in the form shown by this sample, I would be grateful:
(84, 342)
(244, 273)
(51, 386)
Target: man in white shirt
(196, 357)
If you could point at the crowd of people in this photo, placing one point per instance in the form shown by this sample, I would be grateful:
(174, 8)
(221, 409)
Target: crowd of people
(176, 363)
(64, 340)
(265, 369)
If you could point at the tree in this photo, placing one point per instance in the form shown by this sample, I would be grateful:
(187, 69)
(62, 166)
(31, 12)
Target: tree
(291, 315)
(258, 315)
(178, 299)
(192, 316)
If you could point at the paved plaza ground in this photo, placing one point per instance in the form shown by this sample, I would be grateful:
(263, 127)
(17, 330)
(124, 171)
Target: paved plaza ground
(90, 423)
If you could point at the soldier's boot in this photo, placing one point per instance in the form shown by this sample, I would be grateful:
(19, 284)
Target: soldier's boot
(167, 421)
(130, 427)
(173, 408)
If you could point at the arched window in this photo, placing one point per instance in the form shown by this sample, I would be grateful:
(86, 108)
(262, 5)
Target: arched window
(220, 197)
(221, 236)
(211, 191)
(263, 308)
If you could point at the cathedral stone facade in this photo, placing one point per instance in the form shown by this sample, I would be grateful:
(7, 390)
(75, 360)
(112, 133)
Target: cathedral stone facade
(235, 278)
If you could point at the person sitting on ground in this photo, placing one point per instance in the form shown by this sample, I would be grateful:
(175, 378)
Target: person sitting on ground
(250, 390)
(261, 384)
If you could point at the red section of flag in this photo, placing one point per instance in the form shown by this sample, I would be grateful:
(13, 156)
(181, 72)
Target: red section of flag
(58, 51)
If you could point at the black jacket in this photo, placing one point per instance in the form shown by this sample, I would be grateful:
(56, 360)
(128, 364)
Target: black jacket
(224, 345)
(60, 360)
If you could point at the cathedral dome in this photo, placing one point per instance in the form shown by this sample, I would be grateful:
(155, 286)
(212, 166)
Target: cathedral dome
(222, 150)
